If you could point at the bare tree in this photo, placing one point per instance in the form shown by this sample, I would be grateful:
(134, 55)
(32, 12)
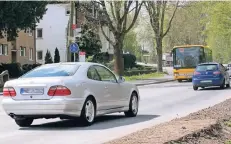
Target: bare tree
(114, 15)
(157, 10)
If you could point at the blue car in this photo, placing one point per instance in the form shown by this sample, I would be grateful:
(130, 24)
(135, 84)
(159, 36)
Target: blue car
(210, 74)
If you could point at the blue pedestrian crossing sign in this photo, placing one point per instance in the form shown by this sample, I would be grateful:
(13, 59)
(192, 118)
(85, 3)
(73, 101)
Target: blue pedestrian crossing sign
(74, 48)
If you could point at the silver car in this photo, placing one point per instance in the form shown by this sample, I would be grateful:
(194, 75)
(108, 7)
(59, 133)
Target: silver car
(68, 90)
(229, 69)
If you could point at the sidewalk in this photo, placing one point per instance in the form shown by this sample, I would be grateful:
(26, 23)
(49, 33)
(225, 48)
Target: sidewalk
(166, 78)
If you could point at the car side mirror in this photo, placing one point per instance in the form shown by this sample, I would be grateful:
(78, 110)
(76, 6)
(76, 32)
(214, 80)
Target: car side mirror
(121, 79)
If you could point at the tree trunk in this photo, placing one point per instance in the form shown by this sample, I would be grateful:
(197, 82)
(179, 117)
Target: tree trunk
(159, 54)
(118, 55)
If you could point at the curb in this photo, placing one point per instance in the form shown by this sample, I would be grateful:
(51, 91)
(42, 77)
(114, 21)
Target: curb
(158, 82)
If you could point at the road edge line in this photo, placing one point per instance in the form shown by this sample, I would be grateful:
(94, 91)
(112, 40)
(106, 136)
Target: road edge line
(158, 82)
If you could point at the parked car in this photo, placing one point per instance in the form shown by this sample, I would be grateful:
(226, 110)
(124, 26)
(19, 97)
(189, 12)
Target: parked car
(68, 90)
(229, 71)
(210, 74)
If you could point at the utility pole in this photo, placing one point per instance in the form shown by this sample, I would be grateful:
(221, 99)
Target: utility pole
(71, 38)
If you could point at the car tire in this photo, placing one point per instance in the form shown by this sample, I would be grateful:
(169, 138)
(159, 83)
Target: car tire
(223, 84)
(195, 88)
(24, 122)
(133, 106)
(179, 81)
(228, 85)
(85, 118)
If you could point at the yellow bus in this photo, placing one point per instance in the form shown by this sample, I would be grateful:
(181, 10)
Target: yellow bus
(186, 58)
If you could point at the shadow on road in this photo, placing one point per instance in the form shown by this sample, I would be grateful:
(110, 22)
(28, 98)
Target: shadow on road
(214, 88)
(103, 122)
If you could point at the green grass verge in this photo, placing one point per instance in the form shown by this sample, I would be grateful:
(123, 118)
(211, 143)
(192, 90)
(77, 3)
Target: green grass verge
(143, 76)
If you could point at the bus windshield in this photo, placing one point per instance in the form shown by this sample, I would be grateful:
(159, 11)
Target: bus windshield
(187, 57)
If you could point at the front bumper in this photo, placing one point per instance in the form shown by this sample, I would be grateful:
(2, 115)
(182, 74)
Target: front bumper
(214, 82)
(54, 106)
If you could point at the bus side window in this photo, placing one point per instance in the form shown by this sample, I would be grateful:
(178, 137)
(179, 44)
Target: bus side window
(202, 55)
(210, 55)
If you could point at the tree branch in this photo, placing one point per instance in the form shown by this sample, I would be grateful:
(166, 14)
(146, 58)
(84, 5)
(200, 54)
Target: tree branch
(170, 22)
(137, 11)
(126, 8)
(112, 11)
(110, 23)
(162, 18)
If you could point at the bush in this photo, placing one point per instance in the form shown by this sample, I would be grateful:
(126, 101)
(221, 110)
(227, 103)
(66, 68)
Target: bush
(103, 57)
(27, 67)
(129, 61)
(138, 72)
(15, 70)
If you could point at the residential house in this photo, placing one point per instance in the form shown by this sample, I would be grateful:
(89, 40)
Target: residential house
(22, 50)
(52, 32)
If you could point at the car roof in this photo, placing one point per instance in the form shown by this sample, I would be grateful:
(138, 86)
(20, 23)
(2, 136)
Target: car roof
(208, 63)
(77, 63)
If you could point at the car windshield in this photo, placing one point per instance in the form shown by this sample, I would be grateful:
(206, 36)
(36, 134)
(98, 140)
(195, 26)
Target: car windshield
(207, 67)
(52, 70)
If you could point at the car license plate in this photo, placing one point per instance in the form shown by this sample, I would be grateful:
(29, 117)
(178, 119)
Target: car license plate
(206, 81)
(34, 91)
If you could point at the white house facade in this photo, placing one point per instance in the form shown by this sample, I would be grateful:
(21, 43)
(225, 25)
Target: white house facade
(51, 32)
(106, 46)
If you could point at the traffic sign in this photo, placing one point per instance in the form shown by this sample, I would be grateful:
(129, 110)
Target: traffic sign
(82, 56)
(82, 53)
(74, 47)
(74, 26)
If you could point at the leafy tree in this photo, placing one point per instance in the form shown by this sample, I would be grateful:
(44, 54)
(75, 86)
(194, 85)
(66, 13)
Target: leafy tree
(186, 26)
(57, 56)
(19, 15)
(115, 17)
(48, 58)
(218, 31)
(89, 41)
(157, 11)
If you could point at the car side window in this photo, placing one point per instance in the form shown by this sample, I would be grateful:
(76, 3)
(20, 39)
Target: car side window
(105, 74)
(92, 74)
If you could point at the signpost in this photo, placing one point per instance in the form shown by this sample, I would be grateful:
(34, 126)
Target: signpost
(82, 56)
(74, 48)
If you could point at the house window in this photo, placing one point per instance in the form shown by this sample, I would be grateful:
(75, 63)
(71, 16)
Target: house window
(39, 33)
(3, 49)
(31, 54)
(22, 51)
(29, 31)
(39, 55)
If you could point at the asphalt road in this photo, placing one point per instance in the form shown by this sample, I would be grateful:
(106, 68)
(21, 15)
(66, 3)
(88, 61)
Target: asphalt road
(159, 103)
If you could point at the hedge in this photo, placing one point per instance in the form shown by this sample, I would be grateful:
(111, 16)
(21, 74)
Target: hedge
(138, 72)
(105, 58)
(16, 70)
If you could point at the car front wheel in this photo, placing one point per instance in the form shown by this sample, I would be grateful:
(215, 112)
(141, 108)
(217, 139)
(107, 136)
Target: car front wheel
(133, 106)
(24, 122)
